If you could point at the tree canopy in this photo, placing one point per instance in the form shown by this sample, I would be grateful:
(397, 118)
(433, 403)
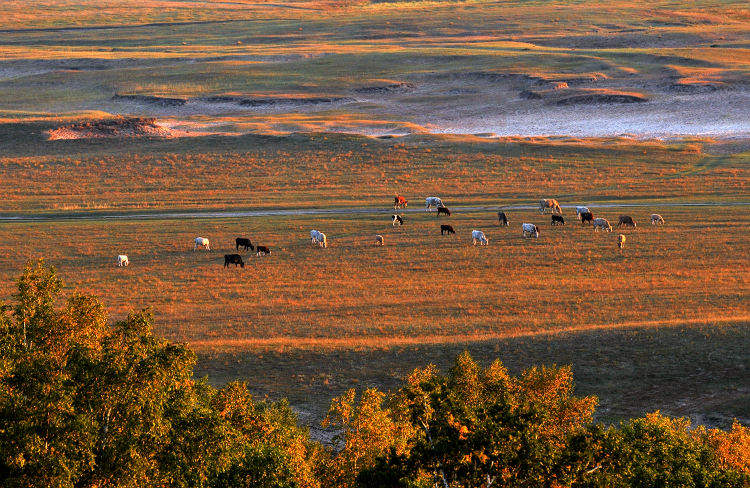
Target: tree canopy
(86, 403)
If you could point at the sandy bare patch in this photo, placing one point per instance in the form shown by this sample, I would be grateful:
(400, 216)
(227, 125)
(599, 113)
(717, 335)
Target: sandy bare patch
(116, 127)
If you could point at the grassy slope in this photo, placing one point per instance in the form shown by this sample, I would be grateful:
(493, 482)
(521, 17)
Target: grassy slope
(423, 297)
(252, 172)
(422, 292)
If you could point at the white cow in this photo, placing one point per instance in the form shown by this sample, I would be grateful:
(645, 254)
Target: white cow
(580, 210)
(478, 235)
(318, 238)
(600, 223)
(657, 219)
(201, 242)
(621, 241)
(528, 230)
(122, 260)
(433, 202)
(397, 220)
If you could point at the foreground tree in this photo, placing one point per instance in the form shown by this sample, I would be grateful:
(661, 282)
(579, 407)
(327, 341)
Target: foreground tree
(85, 404)
(481, 427)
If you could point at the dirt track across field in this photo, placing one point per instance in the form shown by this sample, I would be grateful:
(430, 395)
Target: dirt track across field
(328, 211)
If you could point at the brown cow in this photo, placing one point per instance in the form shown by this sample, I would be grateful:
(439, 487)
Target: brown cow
(550, 203)
(399, 202)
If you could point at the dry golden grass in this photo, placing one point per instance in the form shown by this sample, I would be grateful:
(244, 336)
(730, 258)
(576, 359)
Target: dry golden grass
(327, 170)
(420, 287)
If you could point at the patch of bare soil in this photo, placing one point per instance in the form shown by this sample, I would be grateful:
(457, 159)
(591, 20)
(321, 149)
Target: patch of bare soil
(272, 101)
(152, 100)
(592, 98)
(398, 86)
(116, 127)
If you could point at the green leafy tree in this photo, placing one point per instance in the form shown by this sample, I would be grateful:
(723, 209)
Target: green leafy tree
(83, 404)
(481, 427)
(367, 430)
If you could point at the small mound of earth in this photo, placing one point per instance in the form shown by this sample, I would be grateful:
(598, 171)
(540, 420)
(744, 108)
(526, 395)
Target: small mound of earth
(693, 87)
(152, 100)
(601, 98)
(388, 88)
(530, 95)
(272, 101)
(117, 127)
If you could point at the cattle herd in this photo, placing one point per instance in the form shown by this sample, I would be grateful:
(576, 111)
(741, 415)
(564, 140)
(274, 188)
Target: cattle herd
(477, 236)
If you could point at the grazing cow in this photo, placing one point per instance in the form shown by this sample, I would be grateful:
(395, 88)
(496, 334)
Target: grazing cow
(244, 242)
(586, 217)
(262, 250)
(580, 210)
(379, 240)
(626, 220)
(318, 238)
(399, 202)
(397, 219)
(233, 259)
(550, 203)
(528, 230)
(600, 223)
(122, 260)
(502, 218)
(478, 235)
(446, 228)
(657, 219)
(621, 241)
(432, 202)
(201, 242)
(443, 210)
(558, 220)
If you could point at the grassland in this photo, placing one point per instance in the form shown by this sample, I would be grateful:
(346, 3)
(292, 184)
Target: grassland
(319, 170)
(534, 300)
(663, 324)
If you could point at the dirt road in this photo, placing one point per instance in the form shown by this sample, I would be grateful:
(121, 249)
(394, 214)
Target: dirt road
(176, 215)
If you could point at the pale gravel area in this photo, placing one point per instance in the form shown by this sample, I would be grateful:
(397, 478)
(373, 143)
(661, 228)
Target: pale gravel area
(720, 114)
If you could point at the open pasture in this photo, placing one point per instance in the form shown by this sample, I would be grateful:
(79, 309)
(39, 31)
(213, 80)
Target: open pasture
(307, 322)
(420, 287)
(662, 324)
(326, 170)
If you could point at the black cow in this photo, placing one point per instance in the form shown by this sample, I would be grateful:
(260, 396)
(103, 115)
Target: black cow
(558, 220)
(233, 259)
(502, 218)
(241, 241)
(587, 217)
(443, 210)
(626, 220)
(446, 228)
(262, 250)
(397, 219)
